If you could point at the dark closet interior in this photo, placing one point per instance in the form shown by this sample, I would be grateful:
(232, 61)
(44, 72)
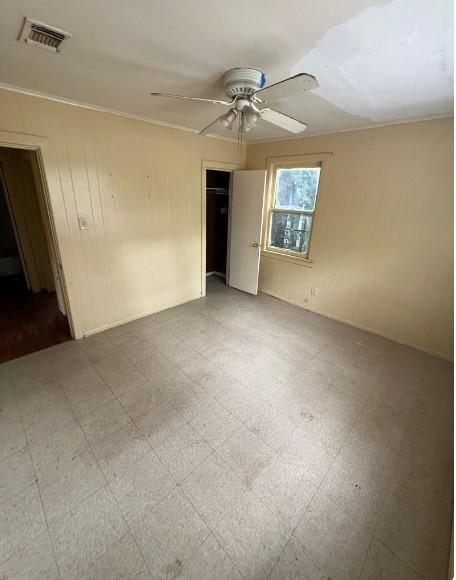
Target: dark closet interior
(217, 211)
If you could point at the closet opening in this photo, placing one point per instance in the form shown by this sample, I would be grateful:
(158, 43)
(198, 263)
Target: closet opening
(32, 304)
(217, 224)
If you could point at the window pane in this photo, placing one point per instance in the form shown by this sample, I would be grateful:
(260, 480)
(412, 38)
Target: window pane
(296, 188)
(290, 231)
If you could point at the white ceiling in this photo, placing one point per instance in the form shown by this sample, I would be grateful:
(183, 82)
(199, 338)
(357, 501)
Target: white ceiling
(377, 61)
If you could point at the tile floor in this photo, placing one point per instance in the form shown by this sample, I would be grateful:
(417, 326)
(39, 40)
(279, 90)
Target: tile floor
(231, 437)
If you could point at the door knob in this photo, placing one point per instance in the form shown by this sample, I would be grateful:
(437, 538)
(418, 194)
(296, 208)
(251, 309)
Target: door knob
(255, 244)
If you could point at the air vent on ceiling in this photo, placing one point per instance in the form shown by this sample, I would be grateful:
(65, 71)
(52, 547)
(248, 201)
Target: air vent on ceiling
(43, 35)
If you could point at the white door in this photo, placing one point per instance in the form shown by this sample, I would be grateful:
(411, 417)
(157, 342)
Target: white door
(247, 198)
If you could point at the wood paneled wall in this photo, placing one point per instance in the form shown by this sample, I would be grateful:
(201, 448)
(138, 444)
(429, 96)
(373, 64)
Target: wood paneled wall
(383, 235)
(139, 187)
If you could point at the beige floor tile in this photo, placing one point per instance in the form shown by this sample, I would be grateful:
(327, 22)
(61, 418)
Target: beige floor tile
(214, 489)
(215, 424)
(330, 429)
(118, 451)
(334, 542)
(309, 456)
(98, 351)
(272, 424)
(44, 404)
(416, 533)
(121, 381)
(208, 562)
(142, 487)
(137, 352)
(182, 451)
(300, 394)
(122, 560)
(371, 457)
(295, 563)
(155, 366)
(216, 382)
(324, 404)
(167, 341)
(53, 441)
(239, 400)
(117, 361)
(86, 391)
(138, 402)
(247, 454)
(179, 354)
(383, 424)
(285, 490)
(218, 354)
(382, 564)
(170, 534)
(154, 415)
(423, 474)
(16, 473)
(104, 420)
(21, 516)
(252, 536)
(32, 560)
(397, 393)
(83, 536)
(342, 403)
(188, 398)
(350, 384)
(68, 483)
(29, 371)
(12, 434)
(197, 367)
(263, 385)
(68, 363)
(198, 341)
(355, 492)
(238, 368)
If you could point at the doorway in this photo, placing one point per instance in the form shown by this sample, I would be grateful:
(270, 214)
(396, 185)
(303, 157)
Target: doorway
(217, 223)
(32, 307)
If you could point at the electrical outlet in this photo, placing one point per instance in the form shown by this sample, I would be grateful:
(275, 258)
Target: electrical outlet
(314, 291)
(83, 223)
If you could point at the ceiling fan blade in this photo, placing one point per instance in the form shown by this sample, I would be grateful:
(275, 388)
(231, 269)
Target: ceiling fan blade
(206, 129)
(283, 121)
(214, 101)
(300, 82)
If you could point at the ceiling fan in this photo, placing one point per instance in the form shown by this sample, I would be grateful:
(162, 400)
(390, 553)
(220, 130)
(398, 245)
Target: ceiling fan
(246, 88)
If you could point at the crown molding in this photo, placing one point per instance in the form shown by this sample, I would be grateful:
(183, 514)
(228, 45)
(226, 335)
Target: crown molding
(83, 105)
(364, 128)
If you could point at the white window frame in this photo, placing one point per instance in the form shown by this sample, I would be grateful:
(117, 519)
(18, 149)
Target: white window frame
(273, 164)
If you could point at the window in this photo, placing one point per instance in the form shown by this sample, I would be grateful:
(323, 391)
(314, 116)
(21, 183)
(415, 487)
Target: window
(292, 209)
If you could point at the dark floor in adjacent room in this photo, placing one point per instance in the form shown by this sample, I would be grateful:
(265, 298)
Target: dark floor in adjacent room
(28, 322)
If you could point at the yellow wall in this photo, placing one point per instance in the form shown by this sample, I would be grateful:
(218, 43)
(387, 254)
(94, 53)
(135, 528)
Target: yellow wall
(381, 244)
(382, 240)
(139, 185)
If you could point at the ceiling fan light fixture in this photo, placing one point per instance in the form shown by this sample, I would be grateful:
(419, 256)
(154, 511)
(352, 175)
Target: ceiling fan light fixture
(249, 119)
(248, 95)
(228, 119)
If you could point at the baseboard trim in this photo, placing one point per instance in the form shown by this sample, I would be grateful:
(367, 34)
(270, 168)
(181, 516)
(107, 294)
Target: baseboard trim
(136, 317)
(215, 273)
(364, 328)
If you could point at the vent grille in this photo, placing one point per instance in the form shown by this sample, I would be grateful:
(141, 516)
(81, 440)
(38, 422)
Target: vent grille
(42, 35)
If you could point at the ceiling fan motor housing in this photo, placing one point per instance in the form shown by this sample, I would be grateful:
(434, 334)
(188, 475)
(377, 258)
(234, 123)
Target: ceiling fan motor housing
(243, 81)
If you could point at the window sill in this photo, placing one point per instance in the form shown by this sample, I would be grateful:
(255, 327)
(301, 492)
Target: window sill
(288, 258)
